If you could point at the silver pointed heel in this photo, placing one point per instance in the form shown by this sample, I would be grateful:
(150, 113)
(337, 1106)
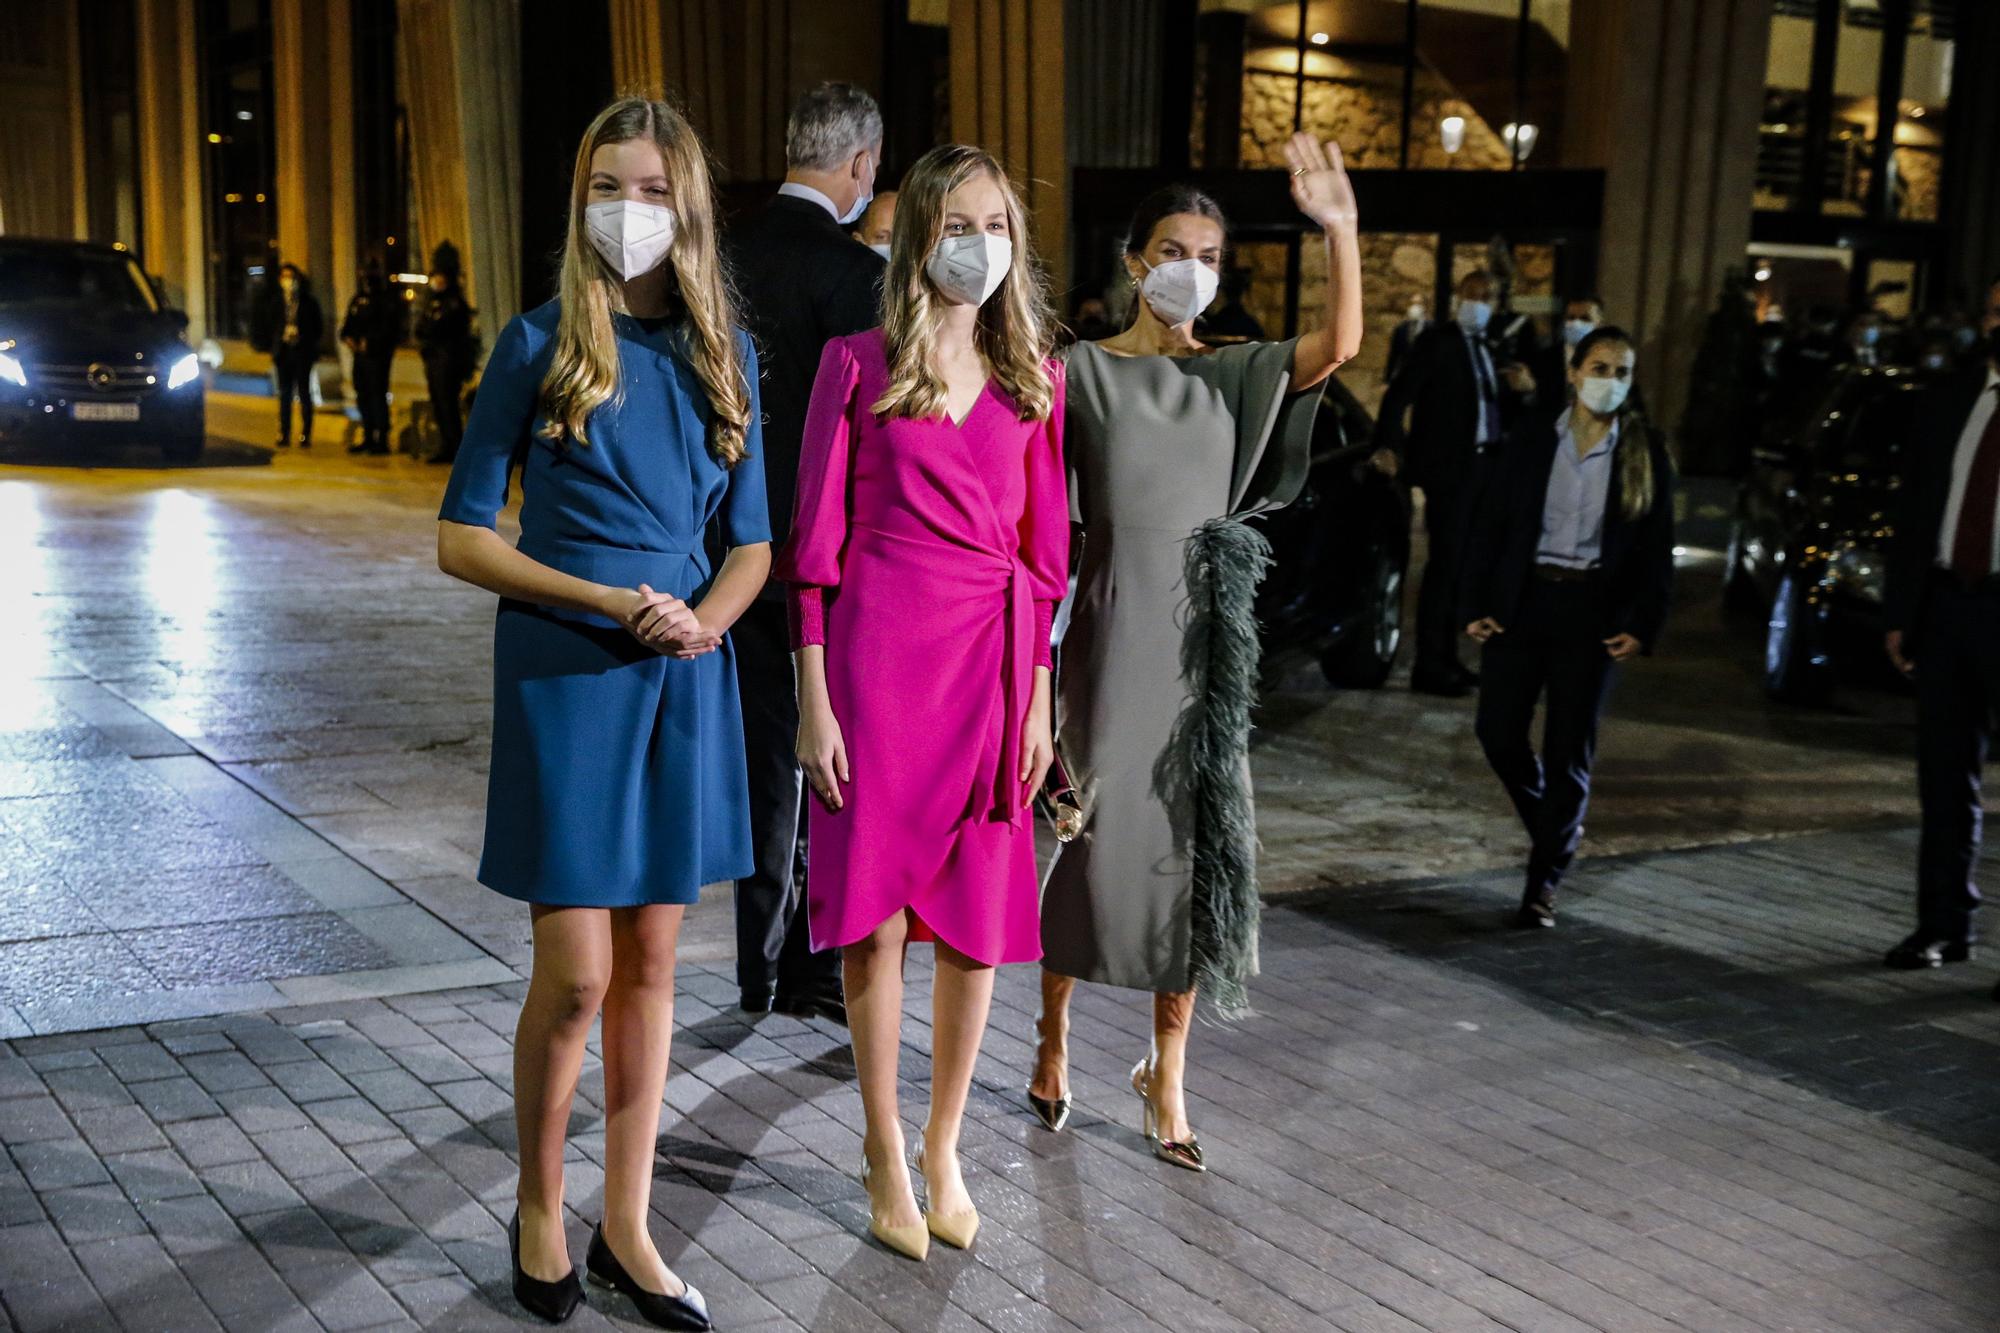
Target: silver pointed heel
(1054, 1114)
(1185, 1153)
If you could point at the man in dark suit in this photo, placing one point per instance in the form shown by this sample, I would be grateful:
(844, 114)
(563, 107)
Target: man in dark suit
(1459, 402)
(1416, 318)
(1550, 364)
(804, 281)
(1943, 610)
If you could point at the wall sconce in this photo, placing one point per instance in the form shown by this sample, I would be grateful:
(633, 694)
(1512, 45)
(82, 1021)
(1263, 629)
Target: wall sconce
(1451, 133)
(1520, 139)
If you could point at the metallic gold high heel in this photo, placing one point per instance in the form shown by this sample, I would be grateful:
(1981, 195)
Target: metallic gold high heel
(912, 1241)
(1180, 1152)
(954, 1229)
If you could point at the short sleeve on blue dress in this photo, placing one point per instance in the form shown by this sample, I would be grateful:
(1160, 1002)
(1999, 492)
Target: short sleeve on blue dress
(746, 514)
(503, 413)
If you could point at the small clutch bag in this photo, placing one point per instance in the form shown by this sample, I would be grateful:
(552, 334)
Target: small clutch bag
(1059, 801)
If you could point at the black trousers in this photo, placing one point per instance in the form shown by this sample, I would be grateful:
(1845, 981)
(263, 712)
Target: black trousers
(444, 384)
(294, 370)
(1446, 516)
(371, 395)
(773, 950)
(1555, 649)
(1958, 696)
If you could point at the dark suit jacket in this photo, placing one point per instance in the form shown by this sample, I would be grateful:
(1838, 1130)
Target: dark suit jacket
(803, 281)
(1940, 420)
(1400, 341)
(1636, 557)
(1436, 385)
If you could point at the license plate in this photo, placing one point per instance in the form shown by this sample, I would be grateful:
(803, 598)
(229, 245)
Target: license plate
(104, 411)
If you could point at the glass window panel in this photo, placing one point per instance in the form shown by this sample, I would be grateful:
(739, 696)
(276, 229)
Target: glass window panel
(1545, 67)
(1396, 269)
(1262, 271)
(1353, 80)
(1850, 146)
(1781, 144)
(1918, 162)
(1465, 91)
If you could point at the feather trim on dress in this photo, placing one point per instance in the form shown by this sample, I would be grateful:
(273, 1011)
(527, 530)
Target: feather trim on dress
(1203, 775)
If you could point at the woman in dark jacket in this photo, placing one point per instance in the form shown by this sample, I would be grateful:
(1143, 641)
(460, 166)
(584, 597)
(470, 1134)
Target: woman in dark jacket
(1568, 574)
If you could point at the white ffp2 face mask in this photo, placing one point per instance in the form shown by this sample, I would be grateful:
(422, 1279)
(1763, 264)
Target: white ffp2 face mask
(632, 237)
(1179, 290)
(1473, 316)
(1574, 330)
(1602, 395)
(971, 267)
(882, 250)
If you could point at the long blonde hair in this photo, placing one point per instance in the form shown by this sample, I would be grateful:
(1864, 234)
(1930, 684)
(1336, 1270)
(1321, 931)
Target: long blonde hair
(584, 374)
(1016, 328)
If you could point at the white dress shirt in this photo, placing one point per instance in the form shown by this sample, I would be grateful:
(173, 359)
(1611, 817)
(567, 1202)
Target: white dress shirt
(1961, 471)
(798, 191)
(1573, 507)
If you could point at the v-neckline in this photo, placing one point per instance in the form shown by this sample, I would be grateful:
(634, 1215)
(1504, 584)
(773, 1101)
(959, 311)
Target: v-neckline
(958, 423)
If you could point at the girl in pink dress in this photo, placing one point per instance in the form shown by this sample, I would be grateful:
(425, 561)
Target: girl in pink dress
(929, 547)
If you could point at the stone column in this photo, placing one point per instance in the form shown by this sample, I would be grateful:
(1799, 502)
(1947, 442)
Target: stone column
(42, 133)
(1007, 97)
(1665, 98)
(489, 108)
(458, 65)
(312, 59)
(172, 175)
(1971, 193)
(735, 66)
(1112, 86)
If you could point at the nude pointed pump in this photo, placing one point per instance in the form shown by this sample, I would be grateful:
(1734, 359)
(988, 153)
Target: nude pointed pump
(954, 1229)
(912, 1241)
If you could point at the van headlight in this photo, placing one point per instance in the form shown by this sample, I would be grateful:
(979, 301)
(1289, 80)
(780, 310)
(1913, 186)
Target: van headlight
(185, 371)
(1859, 573)
(12, 371)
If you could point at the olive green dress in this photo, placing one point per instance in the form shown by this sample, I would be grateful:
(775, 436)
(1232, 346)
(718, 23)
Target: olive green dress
(1158, 661)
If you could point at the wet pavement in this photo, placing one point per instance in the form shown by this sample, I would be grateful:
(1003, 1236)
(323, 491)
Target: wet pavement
(260, 1012)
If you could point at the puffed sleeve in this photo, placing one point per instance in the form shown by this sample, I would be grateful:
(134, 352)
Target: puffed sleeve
(746, 515)
(503, 414)
(1274, 424)
(810, 560)
(1045, 526)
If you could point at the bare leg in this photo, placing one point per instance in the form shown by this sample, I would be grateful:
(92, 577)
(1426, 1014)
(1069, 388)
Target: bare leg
(960, 999)
(872, 972)
(638, 1036)
(1172, 1013)
(1051, 1078)
(572, 968)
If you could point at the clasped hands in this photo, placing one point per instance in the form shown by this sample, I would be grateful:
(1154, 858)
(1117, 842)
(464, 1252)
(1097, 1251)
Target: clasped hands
(663, 622)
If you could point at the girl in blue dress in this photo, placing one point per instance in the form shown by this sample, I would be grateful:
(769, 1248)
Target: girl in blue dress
(617, 786)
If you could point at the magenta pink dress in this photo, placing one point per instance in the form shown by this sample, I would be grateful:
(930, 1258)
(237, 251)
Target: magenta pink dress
(927, 557)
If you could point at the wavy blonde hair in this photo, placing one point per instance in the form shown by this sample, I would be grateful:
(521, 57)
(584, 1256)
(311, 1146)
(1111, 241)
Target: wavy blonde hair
(584, 374)
(1016, 328)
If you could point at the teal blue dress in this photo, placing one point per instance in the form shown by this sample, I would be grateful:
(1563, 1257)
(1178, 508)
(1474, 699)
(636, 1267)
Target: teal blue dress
(617, 777)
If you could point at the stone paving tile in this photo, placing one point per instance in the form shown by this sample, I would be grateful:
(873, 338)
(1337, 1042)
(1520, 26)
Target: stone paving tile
(1434, 1125)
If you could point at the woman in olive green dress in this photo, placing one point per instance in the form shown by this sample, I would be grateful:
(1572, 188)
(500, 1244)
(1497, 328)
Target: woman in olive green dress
(1170, 445)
